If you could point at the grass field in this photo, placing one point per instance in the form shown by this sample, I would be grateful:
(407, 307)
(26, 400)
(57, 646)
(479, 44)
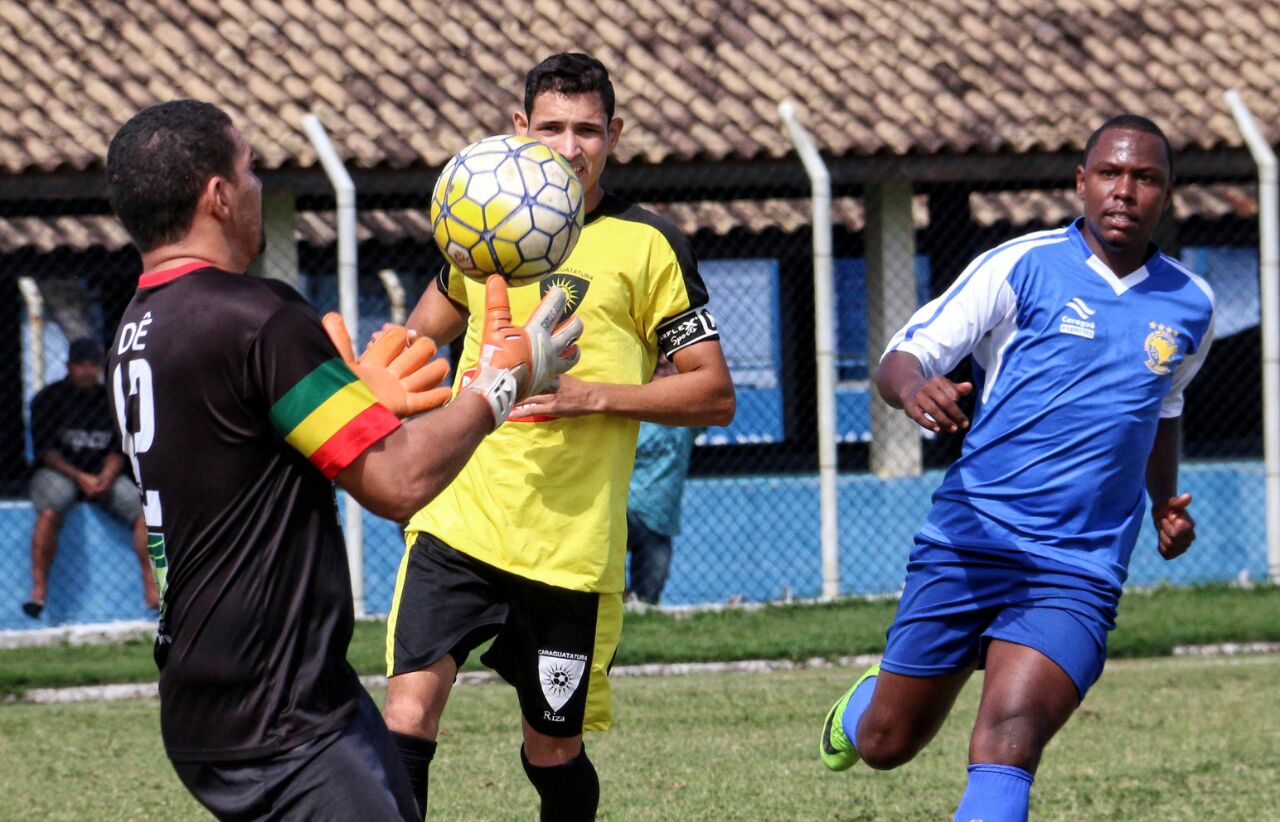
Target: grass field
(1165, 739)
(1151, 623)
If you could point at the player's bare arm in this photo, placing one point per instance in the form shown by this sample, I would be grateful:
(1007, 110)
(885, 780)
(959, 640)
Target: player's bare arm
(1175, 527)
(411, 465)
(700, 393)
(933, 402)
(437, 317)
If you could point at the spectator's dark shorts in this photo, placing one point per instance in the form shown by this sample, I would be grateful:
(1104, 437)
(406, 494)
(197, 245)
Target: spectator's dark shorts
(553, 644)
(351, 773)
(51, 490)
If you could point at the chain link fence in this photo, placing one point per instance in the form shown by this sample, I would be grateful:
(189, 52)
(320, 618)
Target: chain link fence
(751, 507)
(752, 514)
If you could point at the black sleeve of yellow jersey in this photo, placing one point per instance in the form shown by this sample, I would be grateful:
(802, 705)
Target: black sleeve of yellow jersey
(681, 297)
(442, 278)
(452, 284)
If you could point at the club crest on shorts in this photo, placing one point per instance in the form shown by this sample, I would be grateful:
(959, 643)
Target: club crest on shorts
(1161, 346)
(560, 675)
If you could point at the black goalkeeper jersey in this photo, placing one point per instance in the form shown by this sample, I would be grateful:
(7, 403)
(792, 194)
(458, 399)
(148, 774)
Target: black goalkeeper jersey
(236, 413)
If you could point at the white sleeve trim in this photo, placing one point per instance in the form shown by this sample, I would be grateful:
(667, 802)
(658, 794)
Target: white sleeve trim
(1171, 406)
(948, 328)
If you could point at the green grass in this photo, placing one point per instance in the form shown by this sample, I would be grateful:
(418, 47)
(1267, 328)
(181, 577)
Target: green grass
(1151, 623)
(1170, 739)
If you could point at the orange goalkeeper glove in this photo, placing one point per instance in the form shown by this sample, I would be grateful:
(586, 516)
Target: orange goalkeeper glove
(519, 361)
(403, 378)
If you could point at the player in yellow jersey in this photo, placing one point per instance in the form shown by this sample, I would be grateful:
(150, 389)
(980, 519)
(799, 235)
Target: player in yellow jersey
(528, 543)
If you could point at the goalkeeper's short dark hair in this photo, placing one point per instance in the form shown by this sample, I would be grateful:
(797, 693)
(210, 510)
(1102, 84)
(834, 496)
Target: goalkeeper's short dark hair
(158, 164)
(569, 73)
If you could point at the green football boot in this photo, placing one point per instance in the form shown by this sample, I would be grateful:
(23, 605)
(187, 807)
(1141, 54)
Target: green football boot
(837, 752)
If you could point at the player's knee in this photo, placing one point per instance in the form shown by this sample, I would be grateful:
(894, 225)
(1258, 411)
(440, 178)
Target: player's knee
(547, 751)
(885, 748)
(409, 718)
(412, 714)
(1015, 739)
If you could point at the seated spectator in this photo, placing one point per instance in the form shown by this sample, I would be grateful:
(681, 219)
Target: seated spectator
(78, 458)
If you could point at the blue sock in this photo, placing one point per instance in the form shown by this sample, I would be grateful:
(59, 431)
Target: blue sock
(996, 793)
(856, 707)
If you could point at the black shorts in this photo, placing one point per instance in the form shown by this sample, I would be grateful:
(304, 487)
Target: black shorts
(554, 645)
(354, 772)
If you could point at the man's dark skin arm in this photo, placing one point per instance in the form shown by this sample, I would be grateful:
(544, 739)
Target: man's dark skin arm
(933, 402)
(1174, 526)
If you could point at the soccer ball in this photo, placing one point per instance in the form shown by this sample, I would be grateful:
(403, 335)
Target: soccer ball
(507, 205)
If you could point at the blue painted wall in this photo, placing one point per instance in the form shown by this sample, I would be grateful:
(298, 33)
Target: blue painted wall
(752, 537)
(758, 537)
(94, 578)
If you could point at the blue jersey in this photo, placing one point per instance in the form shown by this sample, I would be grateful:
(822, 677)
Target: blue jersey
(1074, 367)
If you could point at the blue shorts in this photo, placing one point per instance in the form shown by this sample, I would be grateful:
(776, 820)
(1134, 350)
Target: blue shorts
(957, 600)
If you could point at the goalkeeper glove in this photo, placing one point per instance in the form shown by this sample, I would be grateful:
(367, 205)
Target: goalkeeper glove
(404, 379)
(517, 362)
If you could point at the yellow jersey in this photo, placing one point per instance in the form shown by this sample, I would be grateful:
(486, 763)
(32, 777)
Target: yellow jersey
(547, 499)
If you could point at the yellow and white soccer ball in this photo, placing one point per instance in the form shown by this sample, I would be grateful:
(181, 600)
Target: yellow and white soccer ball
(507, 205)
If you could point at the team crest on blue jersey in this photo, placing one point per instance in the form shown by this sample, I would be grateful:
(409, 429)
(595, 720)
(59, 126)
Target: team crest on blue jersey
(1161, 346)
(575, 288)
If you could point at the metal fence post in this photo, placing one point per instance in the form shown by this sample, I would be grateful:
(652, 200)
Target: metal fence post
(1269, 280)
(824, 338)
(348, 306)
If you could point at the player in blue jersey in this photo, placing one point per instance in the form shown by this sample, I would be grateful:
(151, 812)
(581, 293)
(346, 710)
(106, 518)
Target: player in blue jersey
(1082, 340)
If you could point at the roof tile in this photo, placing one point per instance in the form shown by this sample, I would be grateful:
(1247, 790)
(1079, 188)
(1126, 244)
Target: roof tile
(695, 78)
(1050, 207)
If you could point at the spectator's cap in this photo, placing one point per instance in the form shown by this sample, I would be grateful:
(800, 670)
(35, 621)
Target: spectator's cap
(85, 349)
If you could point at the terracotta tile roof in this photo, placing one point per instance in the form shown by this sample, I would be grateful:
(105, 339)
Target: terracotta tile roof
(1057, 206)
(1049, 207)
(45, 234)
(403, 83)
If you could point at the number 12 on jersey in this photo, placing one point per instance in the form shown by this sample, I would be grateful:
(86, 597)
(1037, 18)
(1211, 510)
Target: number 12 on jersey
(136, 420)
